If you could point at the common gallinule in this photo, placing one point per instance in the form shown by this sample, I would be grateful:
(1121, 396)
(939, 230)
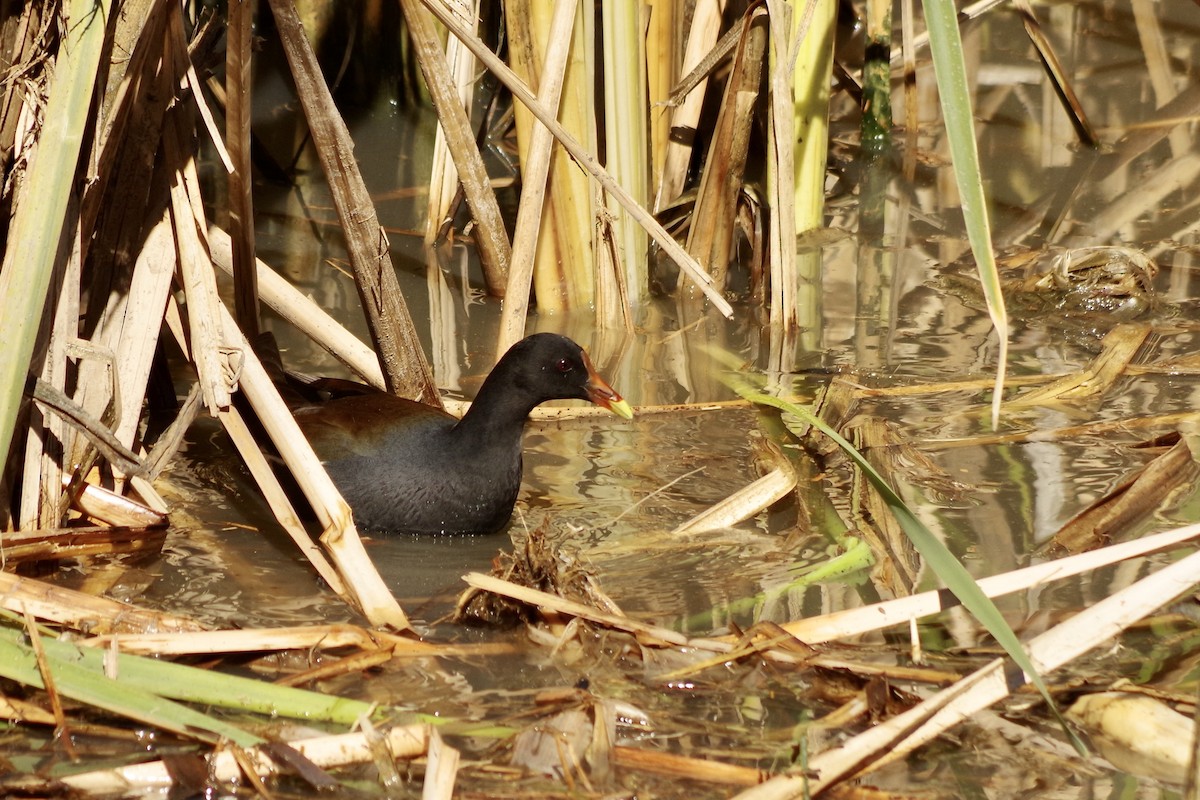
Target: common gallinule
(407, 467)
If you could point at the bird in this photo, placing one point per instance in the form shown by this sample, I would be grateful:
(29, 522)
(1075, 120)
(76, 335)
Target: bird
(407, 467)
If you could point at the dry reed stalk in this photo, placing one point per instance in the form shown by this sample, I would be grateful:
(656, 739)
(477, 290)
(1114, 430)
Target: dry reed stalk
(208, 343)
(223, 767)
(276, 497)
(24, 712)
(254, 640)
(685, 115)
(562, 277)
(1119, 348)
(60, 543)
(714, 217)
(627, 139)
(535, 166)
(1058, 76)
(443, 180)
(43, 502)
(238, 87)
(366, 588)
(307, 317)
(664, 28)
(491, 238)
(746, 502)
(405, 368)
(585, 159)
(679, 766)
(441, 768)
(125, 302)
(900, 735)
(1170, 474)
(358, 663)
(84, 612)
(553, 603)
(104, 505)
(61, 732)
(879, 616)
(141, 323)
(612, 305)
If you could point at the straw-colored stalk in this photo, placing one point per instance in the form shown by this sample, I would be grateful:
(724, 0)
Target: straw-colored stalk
(585, 158)
(900, 735)
(684, 117)
(801, 66)
(561, 262)
(531, 245)
(364, 586)
(663, 20)
(491, 239)
(443, 181)
(627, 135)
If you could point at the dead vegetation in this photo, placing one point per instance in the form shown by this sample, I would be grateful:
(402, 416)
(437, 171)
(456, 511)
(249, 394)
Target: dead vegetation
(134, 253)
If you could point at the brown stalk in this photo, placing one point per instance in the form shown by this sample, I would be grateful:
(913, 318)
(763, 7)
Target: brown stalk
(358, 662)
(61, 732)
(710, 237)
(60, 543)
(491, 239)
(405, 368)
(1058, 77)
(1120, 347)
(1137, 497)
(680, 766)
(238, 86)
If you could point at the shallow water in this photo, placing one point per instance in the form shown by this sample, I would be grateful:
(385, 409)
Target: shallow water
(608, 491)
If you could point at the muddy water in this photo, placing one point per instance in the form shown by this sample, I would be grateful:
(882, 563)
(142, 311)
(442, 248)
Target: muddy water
(607, 491)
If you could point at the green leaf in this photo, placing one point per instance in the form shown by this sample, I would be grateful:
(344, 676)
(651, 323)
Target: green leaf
(85, 685)
(945, 44)
(939, 558)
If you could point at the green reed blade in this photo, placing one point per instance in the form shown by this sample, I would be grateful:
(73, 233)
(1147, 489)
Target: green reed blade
(943, 562)
(945, 44)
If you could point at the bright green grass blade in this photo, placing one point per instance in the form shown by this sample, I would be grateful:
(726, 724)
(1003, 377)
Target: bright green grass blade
(939, 558)
(945, 44)
(84, 685)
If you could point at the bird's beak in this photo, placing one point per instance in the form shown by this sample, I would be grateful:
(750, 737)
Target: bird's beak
(600, 393)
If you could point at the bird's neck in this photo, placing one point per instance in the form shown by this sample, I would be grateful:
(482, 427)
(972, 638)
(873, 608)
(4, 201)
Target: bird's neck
(498, 413)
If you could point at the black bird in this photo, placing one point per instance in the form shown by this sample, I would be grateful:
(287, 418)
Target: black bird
(406, 467)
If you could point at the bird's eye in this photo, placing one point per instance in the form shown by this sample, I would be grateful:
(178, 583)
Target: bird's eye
(563, 365)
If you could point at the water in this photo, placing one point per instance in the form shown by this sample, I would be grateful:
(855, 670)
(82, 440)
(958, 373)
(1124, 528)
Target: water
(607, 492)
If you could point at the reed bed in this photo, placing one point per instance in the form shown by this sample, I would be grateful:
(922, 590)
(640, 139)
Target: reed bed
(665, 139)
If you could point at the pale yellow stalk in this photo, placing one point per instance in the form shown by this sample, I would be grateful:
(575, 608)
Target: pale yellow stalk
(443, 181)
(627, 125)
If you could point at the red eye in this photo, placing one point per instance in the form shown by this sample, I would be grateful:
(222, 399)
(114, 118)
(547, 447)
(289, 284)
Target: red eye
(563, 365)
